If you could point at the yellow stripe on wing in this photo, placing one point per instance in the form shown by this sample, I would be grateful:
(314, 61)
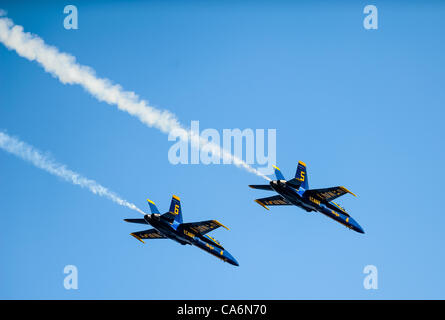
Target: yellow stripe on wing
(137, 237)
(261, 204)
(347, 191)
(220, 224)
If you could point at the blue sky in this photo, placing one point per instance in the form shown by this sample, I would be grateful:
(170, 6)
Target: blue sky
(363, 109)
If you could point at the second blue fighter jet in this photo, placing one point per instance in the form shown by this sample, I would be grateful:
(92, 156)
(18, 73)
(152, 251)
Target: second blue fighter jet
(296, 192)
(170, 226)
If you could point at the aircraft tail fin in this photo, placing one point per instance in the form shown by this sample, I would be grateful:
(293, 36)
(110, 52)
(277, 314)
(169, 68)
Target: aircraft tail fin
(278, 173)
(153, 207)
(175, 212)
(301, 175)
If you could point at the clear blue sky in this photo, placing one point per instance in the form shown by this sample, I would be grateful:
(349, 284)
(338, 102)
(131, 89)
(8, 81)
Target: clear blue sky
(363, 109)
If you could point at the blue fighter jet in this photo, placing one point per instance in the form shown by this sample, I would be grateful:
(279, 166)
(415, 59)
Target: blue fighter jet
(169, 226)
(296, 192)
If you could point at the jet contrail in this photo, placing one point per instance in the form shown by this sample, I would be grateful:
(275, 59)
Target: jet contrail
(64, 67)
(38, 159)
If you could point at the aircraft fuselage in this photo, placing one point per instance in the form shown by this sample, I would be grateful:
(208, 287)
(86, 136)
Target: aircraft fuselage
(298, 198)
(178, 233)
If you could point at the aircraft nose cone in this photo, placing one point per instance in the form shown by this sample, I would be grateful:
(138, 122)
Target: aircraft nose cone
(360, 229)
(356, 226)
(234, 262)
(231, 259)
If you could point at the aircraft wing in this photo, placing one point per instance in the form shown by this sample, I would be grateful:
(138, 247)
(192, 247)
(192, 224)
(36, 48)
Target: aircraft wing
(203, 227)
(148, 234)
(328, 194)
(273, 201)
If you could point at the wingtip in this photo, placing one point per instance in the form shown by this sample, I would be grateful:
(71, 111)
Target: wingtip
(150, 201)
(261, 204)
(132, 234)
(276, 168)
(221, 224)
(348, 191)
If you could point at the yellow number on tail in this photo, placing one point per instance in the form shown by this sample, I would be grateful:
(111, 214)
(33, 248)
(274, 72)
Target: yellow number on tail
(176, 209)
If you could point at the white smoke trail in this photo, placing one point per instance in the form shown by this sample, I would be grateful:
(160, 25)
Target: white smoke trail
(34, 156)
(64, 67)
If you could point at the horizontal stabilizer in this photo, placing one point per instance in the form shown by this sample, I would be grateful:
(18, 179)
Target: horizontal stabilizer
(140, 221)
(261, 186)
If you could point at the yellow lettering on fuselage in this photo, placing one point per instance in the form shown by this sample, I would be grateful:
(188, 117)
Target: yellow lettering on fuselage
(314, 200)
(191, 235)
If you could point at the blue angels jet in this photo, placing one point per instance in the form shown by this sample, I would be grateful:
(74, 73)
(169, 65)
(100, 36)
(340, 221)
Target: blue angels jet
(170, 226)
(296, 192)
